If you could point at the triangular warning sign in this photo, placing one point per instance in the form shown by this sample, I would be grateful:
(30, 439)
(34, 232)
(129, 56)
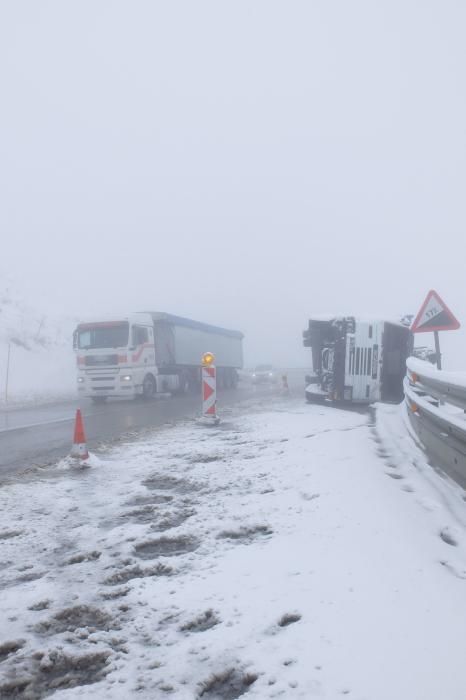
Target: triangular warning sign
(434, 316)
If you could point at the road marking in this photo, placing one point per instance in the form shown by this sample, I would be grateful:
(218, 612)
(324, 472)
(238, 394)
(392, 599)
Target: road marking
(36, 425)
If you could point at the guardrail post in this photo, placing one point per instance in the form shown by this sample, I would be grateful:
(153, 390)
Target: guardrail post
(7, 374)
(437, 350)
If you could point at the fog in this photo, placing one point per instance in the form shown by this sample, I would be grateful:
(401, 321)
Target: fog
(247, 164)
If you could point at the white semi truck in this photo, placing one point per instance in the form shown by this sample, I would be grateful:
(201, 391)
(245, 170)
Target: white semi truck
(144, 353)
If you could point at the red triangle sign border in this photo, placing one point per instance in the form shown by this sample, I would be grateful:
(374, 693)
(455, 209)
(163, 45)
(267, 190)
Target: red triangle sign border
(451, 323)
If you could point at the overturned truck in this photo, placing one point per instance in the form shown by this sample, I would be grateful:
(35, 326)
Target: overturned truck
(356, 361)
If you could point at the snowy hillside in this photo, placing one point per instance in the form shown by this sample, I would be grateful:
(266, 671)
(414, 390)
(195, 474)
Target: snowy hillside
(42, 364)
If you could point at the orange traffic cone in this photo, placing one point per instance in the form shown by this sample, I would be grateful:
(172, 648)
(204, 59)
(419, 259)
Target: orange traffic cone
(79, 447)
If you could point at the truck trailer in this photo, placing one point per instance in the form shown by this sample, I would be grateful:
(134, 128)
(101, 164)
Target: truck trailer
(356, 361)
(145, 353)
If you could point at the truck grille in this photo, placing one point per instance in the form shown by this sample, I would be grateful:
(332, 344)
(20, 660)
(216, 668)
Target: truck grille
(99, 360)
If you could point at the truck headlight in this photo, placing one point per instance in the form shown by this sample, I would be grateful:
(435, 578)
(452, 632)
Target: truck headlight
(80, 380)
(126, 378)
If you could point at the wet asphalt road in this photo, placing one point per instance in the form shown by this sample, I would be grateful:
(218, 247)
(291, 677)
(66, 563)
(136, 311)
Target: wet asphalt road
(36, 436)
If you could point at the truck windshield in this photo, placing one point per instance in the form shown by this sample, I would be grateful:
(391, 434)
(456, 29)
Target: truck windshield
(103, 335)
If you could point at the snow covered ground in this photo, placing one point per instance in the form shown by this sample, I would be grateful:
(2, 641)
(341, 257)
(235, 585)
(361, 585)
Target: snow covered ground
(42, 365)
(295, 552)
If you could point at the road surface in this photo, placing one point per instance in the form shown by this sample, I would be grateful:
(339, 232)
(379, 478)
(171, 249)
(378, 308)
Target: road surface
(36, 436)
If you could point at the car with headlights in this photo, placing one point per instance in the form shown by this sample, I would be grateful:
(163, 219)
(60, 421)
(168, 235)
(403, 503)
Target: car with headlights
(264, 374)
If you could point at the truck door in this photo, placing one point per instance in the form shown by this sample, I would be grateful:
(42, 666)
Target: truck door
(142, 349)
(373, 370)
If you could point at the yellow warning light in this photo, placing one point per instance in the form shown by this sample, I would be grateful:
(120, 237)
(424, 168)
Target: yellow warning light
(414, 377)
(208, 359)
(414, 407)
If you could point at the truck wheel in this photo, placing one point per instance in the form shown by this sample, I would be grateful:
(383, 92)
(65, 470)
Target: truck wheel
(183, 384)
(195, 382)
(149, 387)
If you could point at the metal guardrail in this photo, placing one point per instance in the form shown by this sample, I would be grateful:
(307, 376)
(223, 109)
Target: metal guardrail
(432, 398)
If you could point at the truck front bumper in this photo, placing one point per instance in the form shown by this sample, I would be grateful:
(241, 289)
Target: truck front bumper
(106, 384)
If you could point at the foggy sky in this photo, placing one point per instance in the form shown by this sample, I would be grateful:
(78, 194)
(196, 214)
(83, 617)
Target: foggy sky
(245, 163)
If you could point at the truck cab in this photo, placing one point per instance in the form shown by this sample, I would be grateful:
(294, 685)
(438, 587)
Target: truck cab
(355, 360)
(116, 357)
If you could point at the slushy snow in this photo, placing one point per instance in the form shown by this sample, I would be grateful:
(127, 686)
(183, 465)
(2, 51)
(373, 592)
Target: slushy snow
(293, 552)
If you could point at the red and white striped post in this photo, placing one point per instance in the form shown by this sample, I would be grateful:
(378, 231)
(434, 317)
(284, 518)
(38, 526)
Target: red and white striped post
(209, 390)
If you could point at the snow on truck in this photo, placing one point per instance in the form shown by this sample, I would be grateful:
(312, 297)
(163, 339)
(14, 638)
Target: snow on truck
(357, 361)
(149, 352)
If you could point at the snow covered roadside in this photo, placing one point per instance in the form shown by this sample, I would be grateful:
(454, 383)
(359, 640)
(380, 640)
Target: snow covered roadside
(37, 376)
(294, 552)
(37, 352)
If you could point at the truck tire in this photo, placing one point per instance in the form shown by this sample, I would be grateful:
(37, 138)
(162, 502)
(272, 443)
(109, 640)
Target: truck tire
(183, 384)
(149, 387)
(195, 382)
